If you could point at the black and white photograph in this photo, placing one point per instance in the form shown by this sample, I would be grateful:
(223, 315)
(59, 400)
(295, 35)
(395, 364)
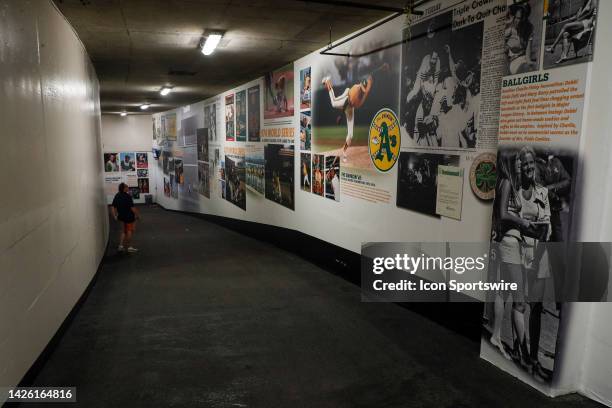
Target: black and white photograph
(417, 180)
(332, 177)
(531, 210)
(440, 84)
(188, 130)
(210, 121)
(279, 163)
(165, 161)
(570, 32)
(202, 136)
(523, 36)
(204, 179)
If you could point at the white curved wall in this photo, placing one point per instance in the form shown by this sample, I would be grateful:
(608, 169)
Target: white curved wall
(53, 222)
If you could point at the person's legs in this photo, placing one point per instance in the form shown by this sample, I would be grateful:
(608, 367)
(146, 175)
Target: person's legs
(337, 102)
(537, 287)
(121, 239)
(565, 31)
(128, 237)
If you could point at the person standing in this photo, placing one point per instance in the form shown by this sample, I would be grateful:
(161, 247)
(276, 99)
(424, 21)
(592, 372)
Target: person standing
(123, 210)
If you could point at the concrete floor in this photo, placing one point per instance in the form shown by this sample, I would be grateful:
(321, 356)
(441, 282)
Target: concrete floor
(207, 317)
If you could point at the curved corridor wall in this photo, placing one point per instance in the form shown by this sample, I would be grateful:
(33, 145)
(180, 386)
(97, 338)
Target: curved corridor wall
(456, 90)
(53, 220)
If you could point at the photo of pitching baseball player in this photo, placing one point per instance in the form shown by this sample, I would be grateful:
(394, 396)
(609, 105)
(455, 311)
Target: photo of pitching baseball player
(348, 92)
(351, 99)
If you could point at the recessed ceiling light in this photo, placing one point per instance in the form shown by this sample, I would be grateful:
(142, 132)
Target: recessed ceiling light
(211, 42)
(165, 90)
(145, 106)
(124, 113)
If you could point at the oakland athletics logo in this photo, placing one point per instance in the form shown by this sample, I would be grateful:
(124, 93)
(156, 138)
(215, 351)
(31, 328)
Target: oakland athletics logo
(384, 140)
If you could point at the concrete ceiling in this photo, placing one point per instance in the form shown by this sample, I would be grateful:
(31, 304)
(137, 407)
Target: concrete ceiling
(137, 46)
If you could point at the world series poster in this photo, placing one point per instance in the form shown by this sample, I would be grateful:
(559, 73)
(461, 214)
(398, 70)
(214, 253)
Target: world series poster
(279, 106)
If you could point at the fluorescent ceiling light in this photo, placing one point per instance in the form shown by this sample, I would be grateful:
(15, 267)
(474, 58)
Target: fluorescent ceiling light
(211, 43)
(124, 113)
(145, 106)
(165, 90)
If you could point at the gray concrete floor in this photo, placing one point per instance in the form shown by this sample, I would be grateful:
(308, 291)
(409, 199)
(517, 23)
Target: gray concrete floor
(207, 317)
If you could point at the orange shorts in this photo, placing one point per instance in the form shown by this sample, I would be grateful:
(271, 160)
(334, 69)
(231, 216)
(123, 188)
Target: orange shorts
(129, 227)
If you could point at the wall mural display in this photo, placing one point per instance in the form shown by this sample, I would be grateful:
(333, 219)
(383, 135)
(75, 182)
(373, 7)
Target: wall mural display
(230, 126)
(305, 88)
(417, 180)
(305, 172)
(204, 179)
(441, 76)
(169, 127)
(254, 113)
(202, 143)
(235, 176)
(128, 162)
(539, 138)
(347, 95)
(523, 37)
(278, 96)
(318, 162)
(241, 116)
(395, 128)
(570, 32)
(210, 121)
(142, 161)
(305, 130)
(111, 162)
(279, 166)
(143, 185)
(255, 168)
(131, 168)
(332, 177)
(178, 171)
(189, 130)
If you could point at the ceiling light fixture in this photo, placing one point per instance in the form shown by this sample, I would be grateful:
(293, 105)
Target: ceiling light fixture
(124, 113)
(165, 90)
(145, 106)
(209, 43)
